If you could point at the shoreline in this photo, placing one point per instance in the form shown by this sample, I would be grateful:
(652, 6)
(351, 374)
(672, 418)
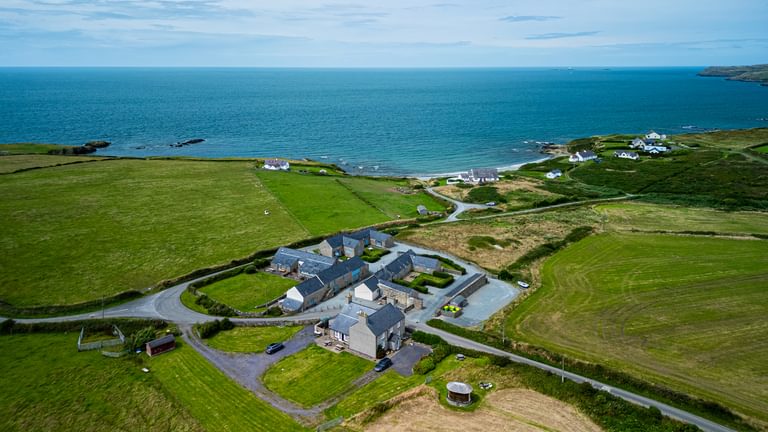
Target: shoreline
(501, 169)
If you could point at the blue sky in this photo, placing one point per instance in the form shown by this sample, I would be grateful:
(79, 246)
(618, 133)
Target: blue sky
(391, 33)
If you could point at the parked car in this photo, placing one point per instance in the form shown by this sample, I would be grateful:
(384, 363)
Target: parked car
(383, 364)
(491, 204)
(523, 284)
(274, 347)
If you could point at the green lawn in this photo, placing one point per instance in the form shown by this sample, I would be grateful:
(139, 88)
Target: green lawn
(640, 216)
(246, 291)
(251, 339)
(217, 402)
(49, 386)
(13, 163)
(319, 204)
(314, 375)
(76, 232)
(687, 312)
(188, 300)
(762, 149)
(383, 195)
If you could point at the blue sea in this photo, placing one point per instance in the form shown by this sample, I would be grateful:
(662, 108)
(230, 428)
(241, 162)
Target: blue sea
(387, 121)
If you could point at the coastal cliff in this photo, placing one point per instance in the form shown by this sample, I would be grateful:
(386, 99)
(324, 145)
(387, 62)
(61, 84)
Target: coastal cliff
(755, 73)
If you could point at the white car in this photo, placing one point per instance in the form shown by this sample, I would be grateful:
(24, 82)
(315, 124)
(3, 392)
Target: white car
(523, 284)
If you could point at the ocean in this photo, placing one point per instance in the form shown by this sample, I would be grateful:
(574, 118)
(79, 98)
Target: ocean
(370, 121)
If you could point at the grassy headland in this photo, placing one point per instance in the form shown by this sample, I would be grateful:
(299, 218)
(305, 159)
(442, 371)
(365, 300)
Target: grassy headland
(755, 73)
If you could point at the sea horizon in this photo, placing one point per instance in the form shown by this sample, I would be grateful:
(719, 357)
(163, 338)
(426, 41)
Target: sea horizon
(371, 121)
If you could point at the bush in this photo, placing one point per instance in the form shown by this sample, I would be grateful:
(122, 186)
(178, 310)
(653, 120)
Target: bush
(6, 326)
(261, 263)
(424, 366)
(442, 275)
(126, 325)
(140, 338)
(273, 311)
(212, 328)
(484, 194)
(250, 269)
(426, 338)
(464, 185)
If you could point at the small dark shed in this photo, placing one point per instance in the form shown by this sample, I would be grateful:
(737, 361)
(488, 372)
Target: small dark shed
(159, 346)
(459, 393)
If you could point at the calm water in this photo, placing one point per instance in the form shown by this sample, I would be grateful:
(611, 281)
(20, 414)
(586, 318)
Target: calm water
(403, 121)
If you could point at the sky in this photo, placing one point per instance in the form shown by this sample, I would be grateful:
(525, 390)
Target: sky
(391, 33)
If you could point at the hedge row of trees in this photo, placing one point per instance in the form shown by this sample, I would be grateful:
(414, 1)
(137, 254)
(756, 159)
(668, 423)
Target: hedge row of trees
(212, 328)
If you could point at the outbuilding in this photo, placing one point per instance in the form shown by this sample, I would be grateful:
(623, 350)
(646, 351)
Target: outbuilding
(459, 393)
(159, 346)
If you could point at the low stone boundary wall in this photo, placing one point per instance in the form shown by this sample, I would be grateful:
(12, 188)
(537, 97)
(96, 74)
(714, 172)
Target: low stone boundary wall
(89, 346)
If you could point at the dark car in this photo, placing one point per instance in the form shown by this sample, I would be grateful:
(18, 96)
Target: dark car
(383, 364)
(274, 347)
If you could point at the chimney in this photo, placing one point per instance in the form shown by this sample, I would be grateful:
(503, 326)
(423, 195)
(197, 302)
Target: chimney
(349, 297)
(363, 317)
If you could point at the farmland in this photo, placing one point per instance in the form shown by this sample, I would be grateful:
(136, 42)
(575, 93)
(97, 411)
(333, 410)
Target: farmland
(86, 230)
(47, 385)
(726, 139)
(246, 291)
(683, 311)
(314, 375)
(251, 339)
(9, 164)
(83, 231)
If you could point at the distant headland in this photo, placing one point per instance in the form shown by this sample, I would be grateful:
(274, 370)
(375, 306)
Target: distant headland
(755, 73)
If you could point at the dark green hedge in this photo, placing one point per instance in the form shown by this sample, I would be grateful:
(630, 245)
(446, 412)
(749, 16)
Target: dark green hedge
(126, 325)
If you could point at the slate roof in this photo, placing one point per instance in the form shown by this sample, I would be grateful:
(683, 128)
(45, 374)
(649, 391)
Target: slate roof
(396, 266)
(334, 241)
(379, 236)
(426, 262)
(384, 318)
(162, 341)
(397, 287)
(349, 317)
(487, 173)
(586, 154)
(275, 162)
(290, 304)
(556, 172)
(310, 263)
(350, 242)
(627, 153)
(310, 286)
(340, 269)
(372, 283)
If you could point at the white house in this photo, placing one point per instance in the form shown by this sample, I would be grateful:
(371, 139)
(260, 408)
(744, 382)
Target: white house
(582, 156)
(623, 154)
(654, 136)
(637, 143)
(368, 289)
(366, 330)
(480, 175)
(555, 173)
(654, 148)
(276, 165)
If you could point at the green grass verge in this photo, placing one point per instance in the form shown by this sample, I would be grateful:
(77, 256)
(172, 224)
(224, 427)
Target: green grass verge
(314, 375)
(761, 149)
(188, 300)
(251, 339)
(682, 311)
(49, 386)
(217, 402)
(246, 291)
(134, 223)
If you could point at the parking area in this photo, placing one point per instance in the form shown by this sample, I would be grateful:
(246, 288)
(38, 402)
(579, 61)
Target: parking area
(404, 360)
(488, 300)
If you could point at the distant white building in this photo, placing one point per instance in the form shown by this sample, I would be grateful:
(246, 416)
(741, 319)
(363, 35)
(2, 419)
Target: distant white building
(480, 175)
(276, 165)
(623, 154)
(582, 156)
(654, 148)
(637, 143)
(555, 173)
(655, 136)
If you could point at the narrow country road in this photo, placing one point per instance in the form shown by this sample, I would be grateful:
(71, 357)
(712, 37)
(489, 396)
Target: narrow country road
(461, 207)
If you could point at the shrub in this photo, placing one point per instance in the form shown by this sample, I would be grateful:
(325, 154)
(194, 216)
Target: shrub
(426, 338)
(464, 185)
(484, 194)
(274, 311)
(442, 275)
(424, 366)
(140, 338)
(6, 326)
(261, 263)
(250, 269)
(212, 328)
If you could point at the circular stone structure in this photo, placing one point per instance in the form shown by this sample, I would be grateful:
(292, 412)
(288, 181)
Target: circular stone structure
(459, 393)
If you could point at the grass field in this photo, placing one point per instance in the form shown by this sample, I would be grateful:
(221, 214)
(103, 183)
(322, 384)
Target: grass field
(9, 164)
(736, 139)
(217, 402)
(251, 339)
(762, 149)
(328, 204)
(49, 386)
(634, 215)
(246, 291)
(687, 312)
(80, 231)
(29, 148)
(314, 375)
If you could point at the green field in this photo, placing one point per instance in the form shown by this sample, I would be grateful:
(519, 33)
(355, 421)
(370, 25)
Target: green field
(686, 312)
(9, 164)
(762, 149)
(251, 339)
(737, 139)
(49, 386)
(246, 291)
(314, 375)
(80, 231)
(649, 217)
(323, 204)
(217, 402)
(29, 148)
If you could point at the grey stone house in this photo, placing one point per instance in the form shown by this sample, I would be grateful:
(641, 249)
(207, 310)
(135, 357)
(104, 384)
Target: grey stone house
(326, 283)
(353, 244)
(365, 329)
(403, 297)
(406, 263)
(304, 264)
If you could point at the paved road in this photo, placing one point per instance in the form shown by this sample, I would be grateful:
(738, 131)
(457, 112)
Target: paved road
(461, 207)
(667, 410)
